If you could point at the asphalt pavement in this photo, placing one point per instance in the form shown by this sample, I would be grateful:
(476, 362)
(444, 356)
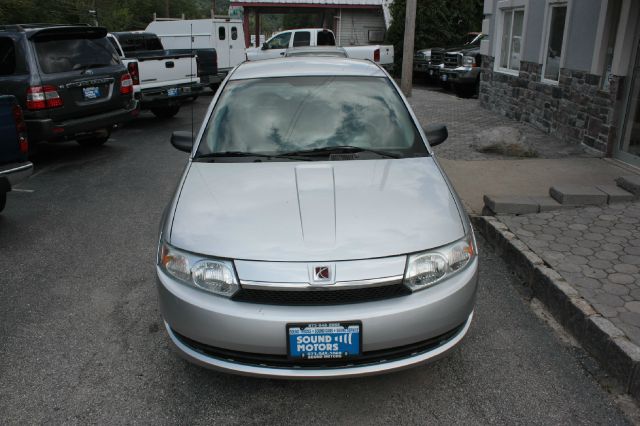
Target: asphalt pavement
(82, 341)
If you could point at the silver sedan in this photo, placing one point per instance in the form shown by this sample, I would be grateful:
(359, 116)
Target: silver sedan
(313, 234)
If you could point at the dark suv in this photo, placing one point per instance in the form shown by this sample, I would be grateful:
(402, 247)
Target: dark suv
(68, 80)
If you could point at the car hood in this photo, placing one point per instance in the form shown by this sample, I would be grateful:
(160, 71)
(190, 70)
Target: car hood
(315, 211)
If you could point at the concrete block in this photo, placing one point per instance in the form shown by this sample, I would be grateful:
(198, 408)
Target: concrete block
(546, 204)
(630, 183)
(510, 204)
(615, 194)
(578, 195)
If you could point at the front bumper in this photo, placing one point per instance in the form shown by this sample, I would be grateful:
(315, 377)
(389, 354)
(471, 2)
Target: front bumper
(460, 75)
(249, 328)
(47, 129)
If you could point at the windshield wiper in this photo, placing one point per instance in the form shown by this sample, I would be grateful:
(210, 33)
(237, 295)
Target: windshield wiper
(327, 150)
(212, 155)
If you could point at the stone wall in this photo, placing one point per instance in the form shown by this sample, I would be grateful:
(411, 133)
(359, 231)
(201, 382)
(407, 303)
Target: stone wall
(575, 109)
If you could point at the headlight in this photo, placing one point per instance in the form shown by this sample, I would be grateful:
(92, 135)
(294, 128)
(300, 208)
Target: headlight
(469, 61)
(216, 276)
(428, 268)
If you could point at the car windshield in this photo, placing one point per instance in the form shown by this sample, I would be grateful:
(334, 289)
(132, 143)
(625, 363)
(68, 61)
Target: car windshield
(289, 115)
(62, 55)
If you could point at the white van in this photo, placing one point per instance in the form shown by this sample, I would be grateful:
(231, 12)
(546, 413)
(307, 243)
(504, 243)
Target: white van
(224, 35)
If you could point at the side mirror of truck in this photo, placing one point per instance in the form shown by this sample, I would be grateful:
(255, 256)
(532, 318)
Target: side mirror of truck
(182, 141)
(436, 133)
(264, 47)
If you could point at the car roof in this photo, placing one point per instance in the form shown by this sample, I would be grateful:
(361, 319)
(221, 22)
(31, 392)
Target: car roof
(307, 66)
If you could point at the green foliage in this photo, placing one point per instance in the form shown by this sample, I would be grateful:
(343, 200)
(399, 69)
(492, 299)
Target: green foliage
(439, 23)
(116, 15)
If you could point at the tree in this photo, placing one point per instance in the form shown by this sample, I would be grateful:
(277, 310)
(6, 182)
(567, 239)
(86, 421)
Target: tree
(439, 23)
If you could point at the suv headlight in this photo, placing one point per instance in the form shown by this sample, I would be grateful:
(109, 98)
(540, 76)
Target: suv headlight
(469, 61)
(217, 276)
(430, 267)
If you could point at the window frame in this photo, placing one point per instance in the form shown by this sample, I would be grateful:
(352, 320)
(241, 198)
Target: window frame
(550, 5)
(502, 7)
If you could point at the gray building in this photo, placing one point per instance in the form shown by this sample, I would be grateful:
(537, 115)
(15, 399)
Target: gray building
(568, 67)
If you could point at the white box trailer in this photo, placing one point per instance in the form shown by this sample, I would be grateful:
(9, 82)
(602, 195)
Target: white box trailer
(224, 35)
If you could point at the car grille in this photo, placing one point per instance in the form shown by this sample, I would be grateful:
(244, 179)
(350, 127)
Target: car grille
(452, 60)
(321, 297)
(283, 361)
(436, 58)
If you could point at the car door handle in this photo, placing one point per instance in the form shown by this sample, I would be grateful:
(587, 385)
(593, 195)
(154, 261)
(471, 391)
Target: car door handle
(281, 53)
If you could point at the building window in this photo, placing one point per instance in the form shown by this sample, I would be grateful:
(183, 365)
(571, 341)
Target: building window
(555, 40)
(511, 39)
(609, 43)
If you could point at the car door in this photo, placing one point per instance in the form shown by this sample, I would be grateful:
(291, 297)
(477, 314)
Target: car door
(302, 39)
(236, 45)
(276, 46)
(221, 34)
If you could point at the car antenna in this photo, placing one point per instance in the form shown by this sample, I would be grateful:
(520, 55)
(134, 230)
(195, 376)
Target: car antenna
(191, 77)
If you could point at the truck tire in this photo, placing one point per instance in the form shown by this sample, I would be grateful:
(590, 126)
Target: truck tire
(97, 139)
(3, 200)
(165, 112)
(466, 90)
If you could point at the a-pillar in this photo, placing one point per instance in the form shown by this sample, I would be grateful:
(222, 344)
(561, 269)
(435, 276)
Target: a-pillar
(245, 26)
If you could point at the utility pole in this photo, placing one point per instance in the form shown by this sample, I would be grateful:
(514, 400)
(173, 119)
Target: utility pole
(407, 51)
(213, 9)
(166, 9)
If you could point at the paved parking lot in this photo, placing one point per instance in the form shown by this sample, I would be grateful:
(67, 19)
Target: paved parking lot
(82, 340)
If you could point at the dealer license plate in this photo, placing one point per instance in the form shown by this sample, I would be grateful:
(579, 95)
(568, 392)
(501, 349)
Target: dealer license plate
(324, 341)
(173, 91)
(90, 93)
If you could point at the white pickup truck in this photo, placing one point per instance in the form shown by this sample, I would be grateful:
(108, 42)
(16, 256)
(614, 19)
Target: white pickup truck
(166, 78)
(277, 46)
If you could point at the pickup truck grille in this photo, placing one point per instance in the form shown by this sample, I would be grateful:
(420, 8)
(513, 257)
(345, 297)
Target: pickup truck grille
(452, 60)
(436, 58)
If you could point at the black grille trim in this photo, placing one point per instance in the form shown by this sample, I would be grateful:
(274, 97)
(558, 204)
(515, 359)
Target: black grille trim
(321, 297)
(436, 58)
(452, 59)
(282, 361)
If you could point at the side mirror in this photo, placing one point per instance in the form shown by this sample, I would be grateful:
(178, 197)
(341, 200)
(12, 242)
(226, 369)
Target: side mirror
(182, 141)
(264, 47)
(436, 133)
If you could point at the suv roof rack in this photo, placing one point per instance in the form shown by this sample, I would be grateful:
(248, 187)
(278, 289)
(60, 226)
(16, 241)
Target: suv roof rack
(29, 26)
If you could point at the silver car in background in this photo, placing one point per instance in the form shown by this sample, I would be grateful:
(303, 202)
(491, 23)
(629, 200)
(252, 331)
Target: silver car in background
(313, 233)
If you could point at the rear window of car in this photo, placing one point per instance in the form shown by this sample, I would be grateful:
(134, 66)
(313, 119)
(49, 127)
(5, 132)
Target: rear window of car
(280, 115)
(139, 43)
(325, 38)
(63, 55)
(7, 56)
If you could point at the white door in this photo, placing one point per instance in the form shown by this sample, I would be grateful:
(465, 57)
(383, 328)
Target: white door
(276, 46)
(221, 36)
(236, 44)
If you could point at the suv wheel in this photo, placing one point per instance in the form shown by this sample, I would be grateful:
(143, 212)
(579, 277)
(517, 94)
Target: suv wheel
(97, 139)
(166, 112)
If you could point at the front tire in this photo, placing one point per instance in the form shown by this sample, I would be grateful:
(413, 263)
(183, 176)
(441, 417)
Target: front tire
(3, 200)
(97, 139)
(165, 112)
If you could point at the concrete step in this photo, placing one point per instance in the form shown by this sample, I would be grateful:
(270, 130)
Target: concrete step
(615, 194)
(510, 204)
(630, 183)
(578, 195)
